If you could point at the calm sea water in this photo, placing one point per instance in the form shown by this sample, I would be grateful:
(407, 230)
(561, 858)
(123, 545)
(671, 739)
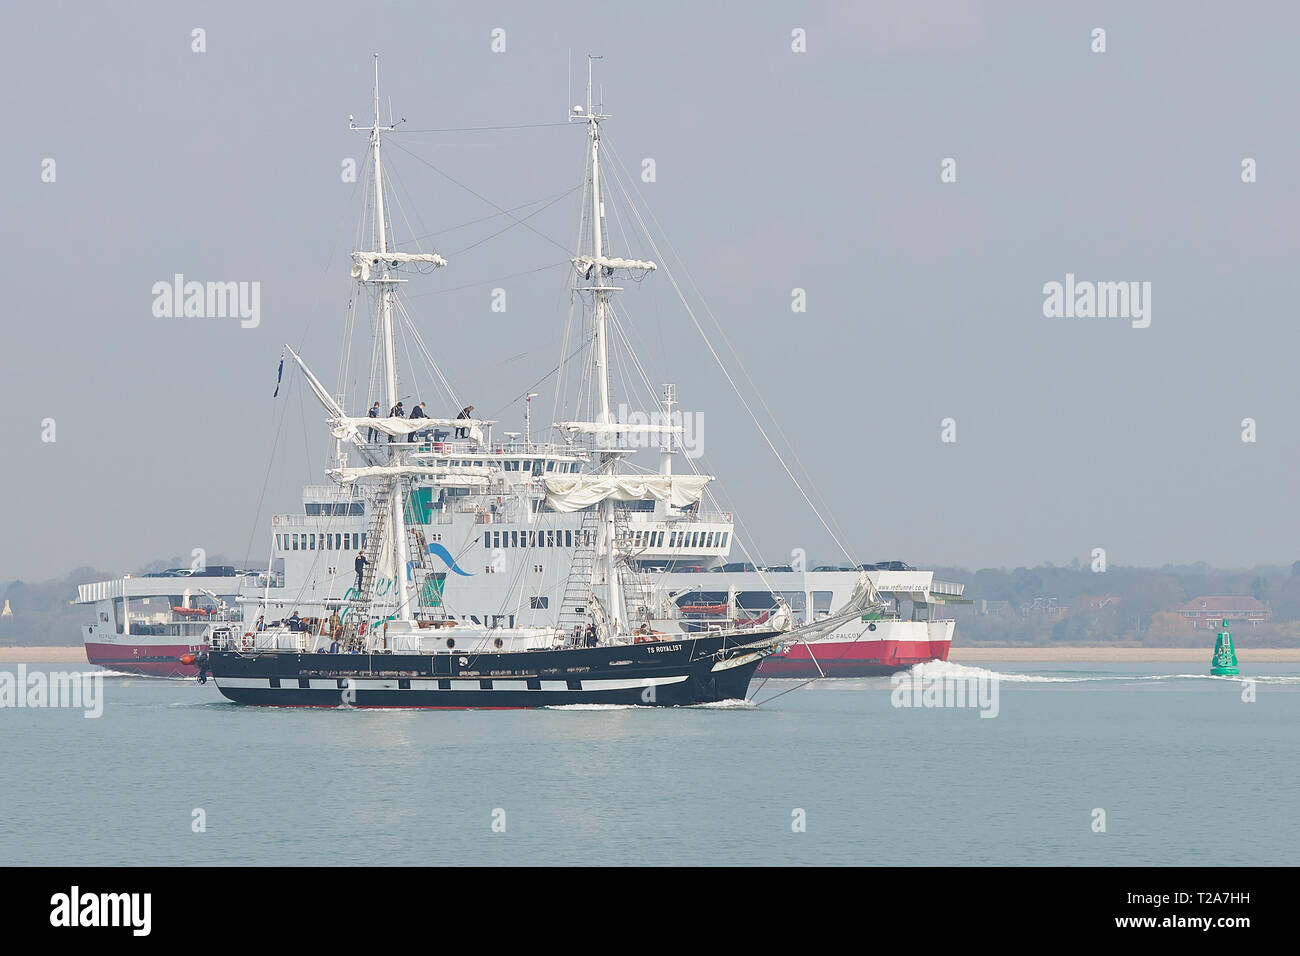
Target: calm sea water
(1185, 770)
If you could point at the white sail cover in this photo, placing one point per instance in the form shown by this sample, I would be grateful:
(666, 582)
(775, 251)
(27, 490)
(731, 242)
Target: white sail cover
(614, 428)
(362, 261)
(453, 476)
(607, 262)
(575, 492)
(345, 427)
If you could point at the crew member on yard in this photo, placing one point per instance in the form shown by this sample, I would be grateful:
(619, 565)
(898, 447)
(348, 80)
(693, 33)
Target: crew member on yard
(396, 412)
(417, 412)
(373, 413)
(466, 412)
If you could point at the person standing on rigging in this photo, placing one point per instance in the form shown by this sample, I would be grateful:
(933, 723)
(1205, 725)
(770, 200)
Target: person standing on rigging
(373, 413)
(466, 412)
(417, 412)
(396, 412)
(360, 565)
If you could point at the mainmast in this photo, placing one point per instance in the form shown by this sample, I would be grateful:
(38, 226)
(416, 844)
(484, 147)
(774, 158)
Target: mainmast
(597, 273)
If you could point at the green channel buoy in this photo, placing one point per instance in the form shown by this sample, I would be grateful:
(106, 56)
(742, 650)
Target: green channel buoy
(1224, 663)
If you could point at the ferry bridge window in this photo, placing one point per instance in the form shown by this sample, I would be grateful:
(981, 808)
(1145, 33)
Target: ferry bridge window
(568, 539)
(821, 601)
(723, 542)
(539, 603)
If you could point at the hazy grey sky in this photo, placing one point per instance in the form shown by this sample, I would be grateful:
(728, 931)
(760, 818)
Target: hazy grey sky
(775, 170)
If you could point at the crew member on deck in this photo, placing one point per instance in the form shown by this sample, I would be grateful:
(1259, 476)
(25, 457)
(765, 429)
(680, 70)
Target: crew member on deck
(360, 565)
(373, 413)
(466, 412)
(294, 622)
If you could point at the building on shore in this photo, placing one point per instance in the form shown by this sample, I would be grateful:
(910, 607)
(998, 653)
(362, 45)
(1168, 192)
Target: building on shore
(1215, 611)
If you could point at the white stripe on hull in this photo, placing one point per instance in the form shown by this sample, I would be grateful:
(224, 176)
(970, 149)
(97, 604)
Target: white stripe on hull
(417, 683)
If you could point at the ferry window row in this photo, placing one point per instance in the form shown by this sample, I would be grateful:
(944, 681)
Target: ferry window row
(535, 466)
(692, 539)
(534, 539)
(321, 542)
(336, 508)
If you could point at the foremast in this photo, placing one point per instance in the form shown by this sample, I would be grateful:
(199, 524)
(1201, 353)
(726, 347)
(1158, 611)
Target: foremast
(386, 280)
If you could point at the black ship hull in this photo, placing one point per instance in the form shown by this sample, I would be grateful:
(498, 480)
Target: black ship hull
(666, 674)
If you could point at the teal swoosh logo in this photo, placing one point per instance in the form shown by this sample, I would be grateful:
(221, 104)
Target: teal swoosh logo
(447, 559)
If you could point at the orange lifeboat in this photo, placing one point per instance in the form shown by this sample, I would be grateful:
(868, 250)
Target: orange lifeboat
(705, 609)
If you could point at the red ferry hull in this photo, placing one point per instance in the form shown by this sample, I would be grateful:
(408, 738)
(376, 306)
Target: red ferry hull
(852, 658)
(148, 660)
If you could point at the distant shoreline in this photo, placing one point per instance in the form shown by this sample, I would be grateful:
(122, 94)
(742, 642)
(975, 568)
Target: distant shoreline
(73, 654)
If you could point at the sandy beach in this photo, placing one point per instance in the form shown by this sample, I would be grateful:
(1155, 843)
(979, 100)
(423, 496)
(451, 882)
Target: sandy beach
(72, 654)
(67, 654)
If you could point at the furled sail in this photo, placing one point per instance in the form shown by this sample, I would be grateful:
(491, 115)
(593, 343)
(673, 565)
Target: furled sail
(362, 262)
(342, 426)
(608, 262)
(575, 492)
(452, 475)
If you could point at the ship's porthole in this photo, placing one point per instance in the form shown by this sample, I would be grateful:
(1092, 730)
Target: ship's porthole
(497, 643)
(451, 642)
(871, 627)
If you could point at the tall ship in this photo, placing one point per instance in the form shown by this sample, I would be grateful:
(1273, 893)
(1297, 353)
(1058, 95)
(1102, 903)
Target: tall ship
(390, 641)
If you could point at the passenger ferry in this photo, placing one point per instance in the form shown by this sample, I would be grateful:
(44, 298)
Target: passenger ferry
(156, 624)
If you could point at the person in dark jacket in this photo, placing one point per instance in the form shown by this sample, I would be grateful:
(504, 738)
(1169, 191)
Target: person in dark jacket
(466, 412)
(396, 412)
(360, 565)
(417, 412)
(371, 434)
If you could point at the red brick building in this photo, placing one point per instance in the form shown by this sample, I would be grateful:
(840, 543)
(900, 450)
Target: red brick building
(1213, 611)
